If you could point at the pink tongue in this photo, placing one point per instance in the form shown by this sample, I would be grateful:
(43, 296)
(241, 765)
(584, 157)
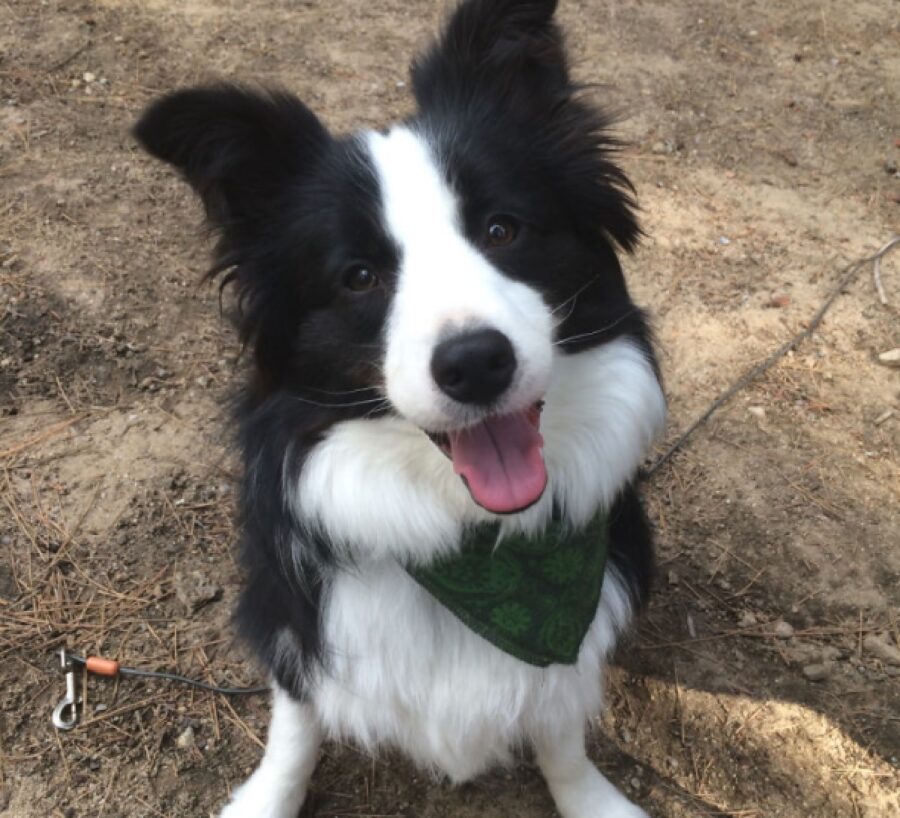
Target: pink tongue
(501, 462)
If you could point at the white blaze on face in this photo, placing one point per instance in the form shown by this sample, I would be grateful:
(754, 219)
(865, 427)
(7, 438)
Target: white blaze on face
(446, 285)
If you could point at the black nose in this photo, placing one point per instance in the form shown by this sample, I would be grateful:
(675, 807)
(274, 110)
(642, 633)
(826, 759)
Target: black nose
(474, 367)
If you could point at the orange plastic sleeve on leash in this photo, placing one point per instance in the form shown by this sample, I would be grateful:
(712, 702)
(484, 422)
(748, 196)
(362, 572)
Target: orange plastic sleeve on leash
(101, 666)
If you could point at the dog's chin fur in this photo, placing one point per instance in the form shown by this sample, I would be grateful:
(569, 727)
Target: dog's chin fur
(343, 485)
(420, 506)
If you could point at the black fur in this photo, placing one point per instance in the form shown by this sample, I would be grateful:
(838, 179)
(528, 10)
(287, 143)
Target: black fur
(631, 545)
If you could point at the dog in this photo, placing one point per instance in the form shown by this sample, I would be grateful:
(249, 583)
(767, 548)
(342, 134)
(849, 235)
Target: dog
(446, 362)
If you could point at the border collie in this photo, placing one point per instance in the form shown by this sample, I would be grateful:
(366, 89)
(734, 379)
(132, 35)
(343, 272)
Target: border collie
(442, 341)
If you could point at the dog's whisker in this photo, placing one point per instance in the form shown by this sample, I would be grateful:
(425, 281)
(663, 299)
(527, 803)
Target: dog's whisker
(337, 405)
(340, 391)
(573, 298)
(568, 315)
(386, 404)
(329, 344)
(592, 333)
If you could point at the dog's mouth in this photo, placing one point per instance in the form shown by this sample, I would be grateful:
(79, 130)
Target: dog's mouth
(500, 459)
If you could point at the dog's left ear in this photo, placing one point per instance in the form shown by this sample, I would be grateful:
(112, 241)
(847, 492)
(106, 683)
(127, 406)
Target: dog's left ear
(511, 46)
(238, 147)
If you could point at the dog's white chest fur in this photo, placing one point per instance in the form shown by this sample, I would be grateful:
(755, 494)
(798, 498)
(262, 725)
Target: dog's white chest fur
(404, 671)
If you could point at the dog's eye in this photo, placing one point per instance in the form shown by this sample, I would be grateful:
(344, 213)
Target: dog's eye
(360, 279)
(501, 231)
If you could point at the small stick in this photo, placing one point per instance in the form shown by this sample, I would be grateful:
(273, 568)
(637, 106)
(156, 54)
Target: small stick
(243, 725)
(747, 720)
(153, 809)
(859, 644)
(64, 396)
(50, 431)
(876, 271)
(66, 60)
(749, 585)
(62, 753)
(93, 719)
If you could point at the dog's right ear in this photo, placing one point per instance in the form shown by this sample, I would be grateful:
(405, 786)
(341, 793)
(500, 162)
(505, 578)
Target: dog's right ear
(509, 46)
(239, 148)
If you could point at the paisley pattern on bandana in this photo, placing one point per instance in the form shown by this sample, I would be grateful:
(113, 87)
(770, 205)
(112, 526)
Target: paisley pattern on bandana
(532, 597)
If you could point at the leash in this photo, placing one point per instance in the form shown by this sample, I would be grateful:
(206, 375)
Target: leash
(67, 713)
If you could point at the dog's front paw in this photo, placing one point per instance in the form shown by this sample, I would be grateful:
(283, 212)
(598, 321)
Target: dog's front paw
(587, 794)
(621, 809)
(260, 799)
(246, 808)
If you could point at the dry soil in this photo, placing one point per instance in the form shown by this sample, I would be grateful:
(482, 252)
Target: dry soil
(764, 144)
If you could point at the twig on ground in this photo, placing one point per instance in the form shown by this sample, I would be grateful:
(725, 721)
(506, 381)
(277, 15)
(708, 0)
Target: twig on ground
(876, 269)
(50, 431)
(248, 731)
(66, 60)
(849, 273)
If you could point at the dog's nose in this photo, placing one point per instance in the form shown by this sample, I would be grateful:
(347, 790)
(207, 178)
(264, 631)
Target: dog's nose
(474, 367)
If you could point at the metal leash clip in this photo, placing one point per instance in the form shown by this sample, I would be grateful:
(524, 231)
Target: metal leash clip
(65, 714)
(68, 712)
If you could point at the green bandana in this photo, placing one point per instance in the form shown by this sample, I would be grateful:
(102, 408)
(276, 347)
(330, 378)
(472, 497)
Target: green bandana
(532, 597)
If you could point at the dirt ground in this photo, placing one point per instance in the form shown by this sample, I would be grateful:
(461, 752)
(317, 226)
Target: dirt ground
(764, 144)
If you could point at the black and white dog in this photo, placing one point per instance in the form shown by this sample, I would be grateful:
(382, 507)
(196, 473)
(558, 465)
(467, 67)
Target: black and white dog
(442, 338)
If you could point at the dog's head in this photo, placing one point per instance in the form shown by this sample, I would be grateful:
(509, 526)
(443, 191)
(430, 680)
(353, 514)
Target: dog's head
(434, 270)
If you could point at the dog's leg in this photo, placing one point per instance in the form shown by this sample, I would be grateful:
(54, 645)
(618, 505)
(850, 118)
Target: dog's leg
(579, 789)
(278, 787)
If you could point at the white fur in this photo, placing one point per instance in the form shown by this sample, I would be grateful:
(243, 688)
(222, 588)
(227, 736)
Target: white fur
(406, 672)
(278, 787)
(604, 409)
(383, 487)
(444, 285)
(577, 786)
